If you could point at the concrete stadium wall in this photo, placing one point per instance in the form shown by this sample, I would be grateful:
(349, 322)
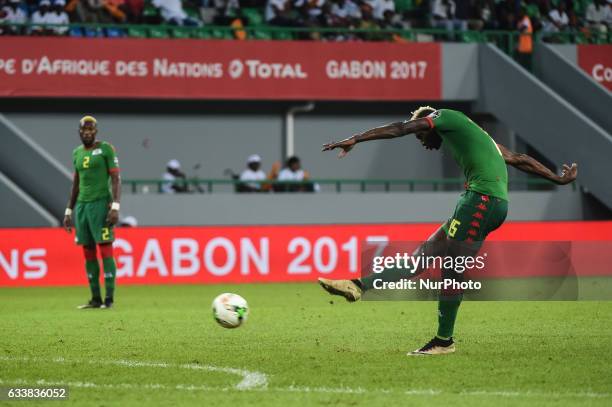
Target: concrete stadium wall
(250, 209)
(573, 84)
(459, 71)
(567, 51)
(146, 142)
(20, 210)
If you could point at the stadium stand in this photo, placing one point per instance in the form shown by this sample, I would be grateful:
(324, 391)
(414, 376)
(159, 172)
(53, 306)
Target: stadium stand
(585, 21)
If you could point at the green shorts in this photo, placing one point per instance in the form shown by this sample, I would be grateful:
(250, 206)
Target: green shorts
(476, 215)
(90, 223)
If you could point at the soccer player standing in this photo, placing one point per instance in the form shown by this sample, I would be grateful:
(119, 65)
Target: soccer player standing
(94, 205)
(481, 209)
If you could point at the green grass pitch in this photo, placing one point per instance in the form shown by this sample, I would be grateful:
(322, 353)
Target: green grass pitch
(160, 346)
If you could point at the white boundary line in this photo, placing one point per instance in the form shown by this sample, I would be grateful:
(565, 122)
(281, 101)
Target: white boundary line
(257, 381)
(250, 380)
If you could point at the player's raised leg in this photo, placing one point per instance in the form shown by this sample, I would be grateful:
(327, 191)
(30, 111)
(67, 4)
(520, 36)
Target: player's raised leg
(352, 290)
(475, 216)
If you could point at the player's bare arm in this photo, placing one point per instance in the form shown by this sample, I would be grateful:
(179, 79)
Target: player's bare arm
(113, 214)
(530, 165)
(74, 193)
(393, 130)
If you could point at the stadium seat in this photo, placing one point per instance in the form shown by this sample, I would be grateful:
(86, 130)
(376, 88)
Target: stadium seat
(75, 32)
(471, 36)
(91, 32)
(282, 35)
(193, 13)
(181, 32)
(150, 11)
(137, 32)
(254, 16)
(158, 32)
(201, 33)
(261, 35)
(403, 5)
(114, 32)
(222, 34)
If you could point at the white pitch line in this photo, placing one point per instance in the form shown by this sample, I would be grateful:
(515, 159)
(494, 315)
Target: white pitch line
(250, 379)
(295, 389)
(257, 381)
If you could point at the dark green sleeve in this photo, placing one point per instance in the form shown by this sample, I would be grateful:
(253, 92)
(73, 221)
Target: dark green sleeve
(112, 162)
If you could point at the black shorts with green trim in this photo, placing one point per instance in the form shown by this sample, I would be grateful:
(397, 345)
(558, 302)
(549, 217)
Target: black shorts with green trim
(476, 215)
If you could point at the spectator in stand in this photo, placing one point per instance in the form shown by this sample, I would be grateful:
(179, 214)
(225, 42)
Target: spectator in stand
(12, 13)
(251, 177)
(134, 9)
(525, 42)
(445, 14)
(293, 172)
(558, 19)
(58, 15)
(484, 15)
(462, 14)
(343, 13)
(175, 180)
(379, 7)
(442, 14)
(367, 22)
(172, 12)
(41, 16)
(506, 15)
(311, 12)
(278, 12)
(596, 15)
(226, 11)
(117, 9)
(89, 11)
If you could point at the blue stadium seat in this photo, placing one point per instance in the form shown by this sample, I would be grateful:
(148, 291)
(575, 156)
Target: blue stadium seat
(114, 32)
(75, 32)
(92, 32)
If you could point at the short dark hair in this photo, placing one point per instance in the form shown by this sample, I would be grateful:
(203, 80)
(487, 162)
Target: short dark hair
(292, 160)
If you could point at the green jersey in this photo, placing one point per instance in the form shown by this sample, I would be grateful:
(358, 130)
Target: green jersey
(474, 150)
(94, 166)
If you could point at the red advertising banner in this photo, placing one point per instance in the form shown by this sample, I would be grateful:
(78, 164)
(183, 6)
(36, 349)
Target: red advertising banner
(219, 69)
(228, 254)
(596, 60)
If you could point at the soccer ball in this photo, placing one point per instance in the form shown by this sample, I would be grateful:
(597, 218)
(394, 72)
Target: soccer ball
(230, 310)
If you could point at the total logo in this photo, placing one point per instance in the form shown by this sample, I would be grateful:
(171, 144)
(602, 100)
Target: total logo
(256, 69)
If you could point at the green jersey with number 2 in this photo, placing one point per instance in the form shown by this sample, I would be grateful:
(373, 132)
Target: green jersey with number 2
(94, 166)
(474, 150)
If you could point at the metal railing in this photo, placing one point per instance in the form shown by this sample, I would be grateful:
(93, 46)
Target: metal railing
(195, 185)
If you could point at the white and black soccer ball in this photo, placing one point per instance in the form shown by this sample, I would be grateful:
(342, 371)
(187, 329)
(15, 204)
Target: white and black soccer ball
(230, 310)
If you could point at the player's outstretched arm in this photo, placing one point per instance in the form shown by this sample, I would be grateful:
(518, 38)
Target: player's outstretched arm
(74, 192)
(392, 130)
(530, 165)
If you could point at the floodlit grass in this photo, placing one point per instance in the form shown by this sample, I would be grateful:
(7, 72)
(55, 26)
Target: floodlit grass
(313, 349)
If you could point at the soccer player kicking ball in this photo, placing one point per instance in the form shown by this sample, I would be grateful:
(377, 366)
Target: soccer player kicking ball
(94, 204)
(481, 209)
